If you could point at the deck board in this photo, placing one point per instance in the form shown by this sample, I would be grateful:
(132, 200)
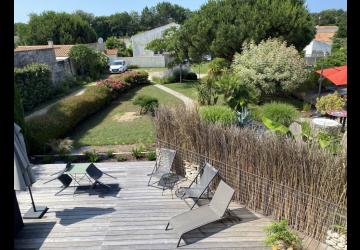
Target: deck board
(133, 216)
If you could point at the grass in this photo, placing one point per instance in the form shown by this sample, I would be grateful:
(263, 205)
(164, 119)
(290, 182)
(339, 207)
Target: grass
(203, 68)
(185, 88)
(286, 99)
(104, 128)
(57, 98)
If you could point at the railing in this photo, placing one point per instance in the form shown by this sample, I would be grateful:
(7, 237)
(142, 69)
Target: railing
(304, 212)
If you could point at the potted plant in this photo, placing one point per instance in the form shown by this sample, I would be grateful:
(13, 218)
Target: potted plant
(280, 237)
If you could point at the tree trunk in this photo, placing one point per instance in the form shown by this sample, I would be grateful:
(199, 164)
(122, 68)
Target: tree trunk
(180, 72)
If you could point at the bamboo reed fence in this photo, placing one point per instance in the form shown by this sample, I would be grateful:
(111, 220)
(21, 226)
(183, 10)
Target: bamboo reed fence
(274, 176)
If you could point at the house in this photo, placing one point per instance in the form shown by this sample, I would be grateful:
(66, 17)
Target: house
(55, 56)
(325, 33)
(141, 56)
(320, 46)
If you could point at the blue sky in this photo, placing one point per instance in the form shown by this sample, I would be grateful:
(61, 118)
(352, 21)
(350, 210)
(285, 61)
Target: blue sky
(23, 8)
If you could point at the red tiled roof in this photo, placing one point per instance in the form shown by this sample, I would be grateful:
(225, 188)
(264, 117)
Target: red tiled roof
(60, 50)
(325, 33)
(111, 52)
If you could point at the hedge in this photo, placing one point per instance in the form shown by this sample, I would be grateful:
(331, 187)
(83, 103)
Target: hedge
(34, 84)
(66, 114)
(18, 110)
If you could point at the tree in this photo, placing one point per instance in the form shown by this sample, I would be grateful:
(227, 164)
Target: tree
(88, 61)
(329, 17)
(271, 67)
(88, 17)
(168, 43)
(113, 42)
(338, 56)
(219, 28)
(61, 28)
(102, 27)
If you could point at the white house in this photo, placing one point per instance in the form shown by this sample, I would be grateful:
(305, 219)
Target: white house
(317, 49)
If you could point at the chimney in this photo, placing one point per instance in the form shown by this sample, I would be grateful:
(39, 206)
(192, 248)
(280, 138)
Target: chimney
(51, 44)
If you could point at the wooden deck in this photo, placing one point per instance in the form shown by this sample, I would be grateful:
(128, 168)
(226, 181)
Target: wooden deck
(132, 216)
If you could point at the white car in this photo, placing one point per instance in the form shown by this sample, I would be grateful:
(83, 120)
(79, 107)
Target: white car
(118, 66)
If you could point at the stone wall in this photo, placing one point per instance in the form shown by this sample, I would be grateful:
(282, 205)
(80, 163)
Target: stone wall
(59, 69)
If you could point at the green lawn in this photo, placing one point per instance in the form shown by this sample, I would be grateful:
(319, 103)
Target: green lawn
(108, 127)
(185, 88)
(203, 68)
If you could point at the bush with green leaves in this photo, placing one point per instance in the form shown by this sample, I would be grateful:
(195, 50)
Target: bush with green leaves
(208, 91)
(331, 102)
(133, 66)
(113, 42)
(120, 158)
(282, 113)
(92, 156)
(137, 153)
(88, 62)
(272, 67)
(151, 156)
(109, 154)
(64, 116)
(279, 235)
(236, 93)
(218, 66)
(34, 84)
(19, 110)
(146, 103)
(218, 114)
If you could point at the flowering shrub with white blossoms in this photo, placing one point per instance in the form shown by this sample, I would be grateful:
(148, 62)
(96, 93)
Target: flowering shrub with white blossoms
(271, 66)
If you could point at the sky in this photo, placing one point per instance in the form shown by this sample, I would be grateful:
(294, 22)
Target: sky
(22, 8)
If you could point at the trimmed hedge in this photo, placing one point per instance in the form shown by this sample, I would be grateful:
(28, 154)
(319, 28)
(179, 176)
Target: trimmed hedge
(66, 114)
(34, 84)
(18, 110)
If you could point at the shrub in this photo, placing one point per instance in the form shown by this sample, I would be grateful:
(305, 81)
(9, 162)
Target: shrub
(113, 43)
(281, 113)
(151, 156)
(137, 153)
(116, 86)
(19, 111)
(61, 146)
(306, 107)
(191, 76)
(126, 52)
(120, 158)
(236, 93)
(88, 62)
(133, 66)
(278, 234)
(207, 91)
(332, 102)
(34, 84)
(146, 103)
(134, 78)
(217, 66)
(64, 116)
(92, 156)
(271, 66)
(109, 154)
(218, 114)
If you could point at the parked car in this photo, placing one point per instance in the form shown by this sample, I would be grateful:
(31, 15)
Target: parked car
(118, 66)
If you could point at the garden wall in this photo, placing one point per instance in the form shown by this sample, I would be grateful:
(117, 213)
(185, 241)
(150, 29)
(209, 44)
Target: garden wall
(273, 176)
(59, 69)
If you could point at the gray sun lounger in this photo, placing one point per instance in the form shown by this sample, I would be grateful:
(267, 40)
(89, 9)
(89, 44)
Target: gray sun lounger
(204, 215)
(163, 164)
(196, 190)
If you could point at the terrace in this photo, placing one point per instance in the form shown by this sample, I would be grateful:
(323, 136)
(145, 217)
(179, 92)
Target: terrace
(132, 216)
